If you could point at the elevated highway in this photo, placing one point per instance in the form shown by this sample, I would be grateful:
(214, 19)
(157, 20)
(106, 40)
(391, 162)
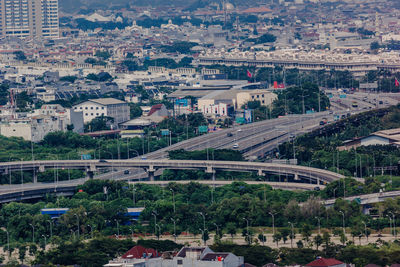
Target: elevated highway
(316, 177)
(150, 166)
(367, 198)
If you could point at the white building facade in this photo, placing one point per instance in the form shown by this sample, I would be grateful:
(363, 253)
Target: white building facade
(93, 108)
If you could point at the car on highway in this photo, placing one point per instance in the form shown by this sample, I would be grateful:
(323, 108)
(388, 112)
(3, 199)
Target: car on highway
(126, 172)
(235, 146)
(102, 160)
(144, 158)
(229, 134)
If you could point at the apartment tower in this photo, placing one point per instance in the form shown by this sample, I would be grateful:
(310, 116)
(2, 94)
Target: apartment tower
(29, 18)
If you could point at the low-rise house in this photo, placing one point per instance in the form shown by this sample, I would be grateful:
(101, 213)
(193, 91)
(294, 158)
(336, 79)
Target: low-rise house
(384, 137)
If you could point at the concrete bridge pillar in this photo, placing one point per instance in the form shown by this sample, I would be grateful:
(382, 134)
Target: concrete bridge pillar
(212, 171)
(150, 172)
(296, 177)
(41, 168)
(89, 174)
(260, 173)
(34, 173)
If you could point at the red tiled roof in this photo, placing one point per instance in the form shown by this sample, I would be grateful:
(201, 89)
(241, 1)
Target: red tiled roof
(137, 252)
(321, 262)
(154, 109)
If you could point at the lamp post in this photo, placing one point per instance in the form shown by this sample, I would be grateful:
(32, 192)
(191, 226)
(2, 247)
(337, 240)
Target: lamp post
(33, 232)
(134, 195)
(8, 240)
(204, 220)
(247, 227)
(174, 228)
(390, 223)
(273, 222)
(319, 225)
(202, 236)
(45, 242)
(131, 232)
(155, 221)
(344, 229)
(173, 198)
(77, 221)
(51, 228)
(309, 166)
(159, 231)
(394, 224)
(91, 230)
(365, 230)
(291, 239)
(117, 226)
(216, 225)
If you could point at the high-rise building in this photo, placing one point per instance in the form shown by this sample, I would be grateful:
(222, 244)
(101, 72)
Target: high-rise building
(29, 18)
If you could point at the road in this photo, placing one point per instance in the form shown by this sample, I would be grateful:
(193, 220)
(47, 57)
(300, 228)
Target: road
(367, 198)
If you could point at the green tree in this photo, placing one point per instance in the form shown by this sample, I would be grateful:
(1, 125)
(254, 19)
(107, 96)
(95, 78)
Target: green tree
(99, 124)
(231, 229)
(276, 238)
(318, 240)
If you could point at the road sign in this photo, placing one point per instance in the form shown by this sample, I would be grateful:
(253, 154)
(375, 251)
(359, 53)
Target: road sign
(240, 120)
(165, 132)
(86, 156)
(203, 129)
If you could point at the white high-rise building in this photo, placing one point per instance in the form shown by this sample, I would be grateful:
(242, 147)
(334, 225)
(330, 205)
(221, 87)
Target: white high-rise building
(29, 18)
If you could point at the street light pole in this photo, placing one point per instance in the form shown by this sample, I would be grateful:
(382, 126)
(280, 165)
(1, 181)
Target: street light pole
(344, 229)
(45, 242)
(202, 236)
(173, 198)
(394, 224)
(216, 225)
(365, 230)
(204, 220)
(174, 228)
(247, 228)
(291, 239)
(117, 226)
(273, 222)
(319, 225)
(91, 230)
(77, 220)
(8, 240)
(33, 232)
(155, 221)
(51, 228)
(390, 223)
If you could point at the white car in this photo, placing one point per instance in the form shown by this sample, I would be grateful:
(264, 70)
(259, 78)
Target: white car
(235, 146)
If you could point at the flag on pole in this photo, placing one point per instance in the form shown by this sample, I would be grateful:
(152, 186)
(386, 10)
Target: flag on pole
(396, 82)
(249, 74)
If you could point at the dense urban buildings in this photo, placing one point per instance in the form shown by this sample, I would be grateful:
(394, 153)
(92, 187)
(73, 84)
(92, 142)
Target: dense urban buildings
(200, 133)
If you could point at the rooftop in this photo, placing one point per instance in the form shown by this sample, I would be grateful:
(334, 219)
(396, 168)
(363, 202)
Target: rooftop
(322, 262)
(107, 101)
